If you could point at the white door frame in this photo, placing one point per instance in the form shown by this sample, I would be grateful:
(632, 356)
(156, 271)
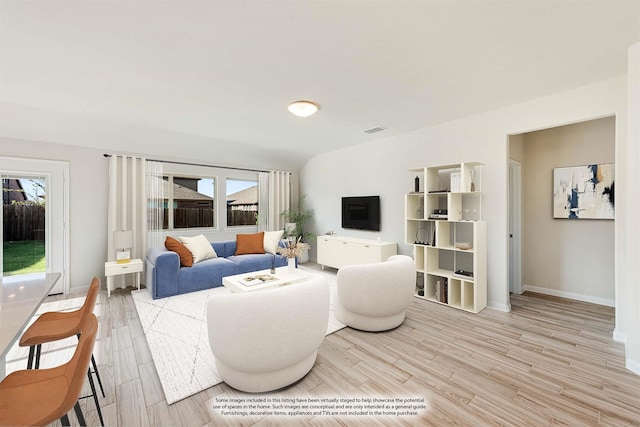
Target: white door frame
(57, 212)
(515, 227)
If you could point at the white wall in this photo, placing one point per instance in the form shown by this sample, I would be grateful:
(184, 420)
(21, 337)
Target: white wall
(628, 227)
(380, 167)
(516, 148)
(568, 258)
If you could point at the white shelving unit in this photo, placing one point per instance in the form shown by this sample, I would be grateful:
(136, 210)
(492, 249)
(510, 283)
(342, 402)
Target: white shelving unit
(443, 222)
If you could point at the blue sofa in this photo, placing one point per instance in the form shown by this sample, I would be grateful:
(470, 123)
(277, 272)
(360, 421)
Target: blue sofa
(165, 277)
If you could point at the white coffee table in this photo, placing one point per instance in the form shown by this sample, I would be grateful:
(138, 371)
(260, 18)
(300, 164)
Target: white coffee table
(282, 277)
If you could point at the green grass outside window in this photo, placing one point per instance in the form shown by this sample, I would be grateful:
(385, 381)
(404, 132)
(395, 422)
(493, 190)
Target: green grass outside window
(23, 257)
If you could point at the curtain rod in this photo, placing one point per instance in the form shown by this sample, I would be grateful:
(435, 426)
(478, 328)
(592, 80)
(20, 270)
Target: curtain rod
(201, 164)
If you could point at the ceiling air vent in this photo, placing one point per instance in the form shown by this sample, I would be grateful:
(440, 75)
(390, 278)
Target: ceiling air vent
(374, 130)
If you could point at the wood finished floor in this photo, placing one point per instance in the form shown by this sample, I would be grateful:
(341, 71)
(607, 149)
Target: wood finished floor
(549, 362)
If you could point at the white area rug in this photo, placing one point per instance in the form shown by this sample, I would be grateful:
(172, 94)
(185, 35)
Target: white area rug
(176, 331)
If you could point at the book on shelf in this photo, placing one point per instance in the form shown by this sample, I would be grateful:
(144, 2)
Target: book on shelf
(257, 279)
(438, 216)
(445, 291)
(442, 289)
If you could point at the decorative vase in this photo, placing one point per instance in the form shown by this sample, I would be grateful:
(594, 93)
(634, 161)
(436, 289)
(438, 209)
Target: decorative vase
(291, 263)
(304, 256)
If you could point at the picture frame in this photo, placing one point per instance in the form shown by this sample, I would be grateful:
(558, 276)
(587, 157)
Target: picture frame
(584, 192)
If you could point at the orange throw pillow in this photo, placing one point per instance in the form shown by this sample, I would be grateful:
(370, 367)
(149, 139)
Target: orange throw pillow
(186, 258)
(250, 243)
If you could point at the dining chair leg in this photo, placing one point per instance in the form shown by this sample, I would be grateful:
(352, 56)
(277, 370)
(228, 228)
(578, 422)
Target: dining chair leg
(32, 350)
(38, 350)
(65, 420)
(95, 397)
(95, 370)
(78, 410)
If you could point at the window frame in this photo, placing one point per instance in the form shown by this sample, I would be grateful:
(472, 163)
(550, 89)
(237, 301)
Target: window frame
(170, 202)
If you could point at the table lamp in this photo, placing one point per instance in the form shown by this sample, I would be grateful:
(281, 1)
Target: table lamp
(123, 241)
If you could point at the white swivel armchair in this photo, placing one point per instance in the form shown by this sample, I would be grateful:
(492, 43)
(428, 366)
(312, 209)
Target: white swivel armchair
(265, 340)
(375, 297)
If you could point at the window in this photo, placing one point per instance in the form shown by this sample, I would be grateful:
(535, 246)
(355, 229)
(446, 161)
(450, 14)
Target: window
(242, 202)
(192, 201)
(24, 222)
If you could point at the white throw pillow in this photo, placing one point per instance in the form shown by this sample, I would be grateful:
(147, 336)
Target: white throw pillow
(199, 247)
(271, 240)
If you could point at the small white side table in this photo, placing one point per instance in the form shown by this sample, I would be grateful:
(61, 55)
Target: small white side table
(112, 268)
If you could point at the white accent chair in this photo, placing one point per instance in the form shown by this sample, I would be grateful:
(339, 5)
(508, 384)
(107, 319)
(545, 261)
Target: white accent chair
(265, 340)
(375, 297)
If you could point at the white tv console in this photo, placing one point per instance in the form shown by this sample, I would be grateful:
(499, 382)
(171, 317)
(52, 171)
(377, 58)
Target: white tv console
(338, 251)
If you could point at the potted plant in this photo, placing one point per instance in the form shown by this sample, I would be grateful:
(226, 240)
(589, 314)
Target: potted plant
(299, 217)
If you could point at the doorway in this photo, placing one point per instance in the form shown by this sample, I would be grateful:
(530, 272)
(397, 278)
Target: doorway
(515, 227)
(34, 217)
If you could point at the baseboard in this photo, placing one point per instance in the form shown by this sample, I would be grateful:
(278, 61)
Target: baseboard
(619, 336)
(569, 295)
(497, 306)
(633, 366)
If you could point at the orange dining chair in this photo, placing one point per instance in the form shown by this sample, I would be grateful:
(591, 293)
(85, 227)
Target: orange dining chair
(57, 325)
(39, 397)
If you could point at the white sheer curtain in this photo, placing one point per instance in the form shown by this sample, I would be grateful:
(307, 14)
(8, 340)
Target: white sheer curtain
(127, 209)
(279, 198)
(263, 201)
(156, 196)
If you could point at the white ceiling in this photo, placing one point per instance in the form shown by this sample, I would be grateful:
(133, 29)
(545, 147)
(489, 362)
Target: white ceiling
(185, 78)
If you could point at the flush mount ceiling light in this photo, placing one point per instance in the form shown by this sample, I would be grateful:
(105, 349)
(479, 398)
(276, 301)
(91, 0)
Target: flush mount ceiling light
(302, 108)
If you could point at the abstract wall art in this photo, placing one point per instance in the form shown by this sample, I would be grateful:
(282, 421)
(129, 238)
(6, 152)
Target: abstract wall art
(584, 192)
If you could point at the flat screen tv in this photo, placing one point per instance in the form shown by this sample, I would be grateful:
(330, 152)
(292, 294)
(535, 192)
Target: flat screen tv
(361, 213)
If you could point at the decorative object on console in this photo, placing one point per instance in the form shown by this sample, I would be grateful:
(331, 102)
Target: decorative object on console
(123, 241)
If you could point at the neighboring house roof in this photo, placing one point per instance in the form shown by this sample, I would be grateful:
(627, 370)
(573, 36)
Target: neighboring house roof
(14, 191)
(182, 193)
(248, 196)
